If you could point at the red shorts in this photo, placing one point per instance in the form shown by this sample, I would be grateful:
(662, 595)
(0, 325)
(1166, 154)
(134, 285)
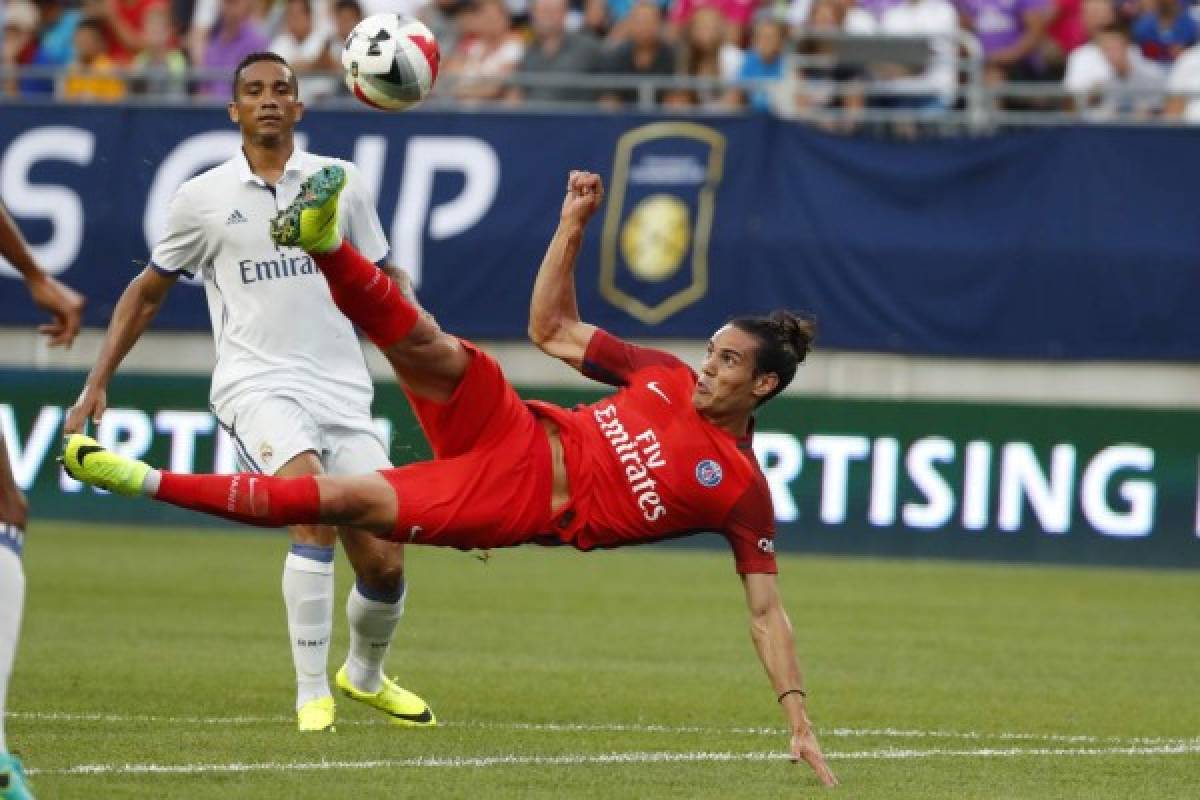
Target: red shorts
(491, 479)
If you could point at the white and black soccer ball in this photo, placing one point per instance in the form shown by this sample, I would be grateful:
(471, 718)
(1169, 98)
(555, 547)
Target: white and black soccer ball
(391, 61)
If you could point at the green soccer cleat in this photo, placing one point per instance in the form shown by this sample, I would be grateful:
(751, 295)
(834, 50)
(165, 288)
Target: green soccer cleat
(404, 707)
(311, 221)
(316, 716)
(13, 783)
(85, 460)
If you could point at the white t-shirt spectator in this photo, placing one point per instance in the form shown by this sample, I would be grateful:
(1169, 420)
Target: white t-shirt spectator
(1088, 71)
(307, 51)
(934, 18)
(1185, 78)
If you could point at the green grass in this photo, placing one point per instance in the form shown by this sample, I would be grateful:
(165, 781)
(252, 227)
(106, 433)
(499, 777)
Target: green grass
(167, 632)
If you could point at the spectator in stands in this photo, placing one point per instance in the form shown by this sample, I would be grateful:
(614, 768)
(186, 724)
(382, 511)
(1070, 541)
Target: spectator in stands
(20, 44)
(124, 21)
(554, 51)
(736, 14)
(1183, 88)
(1012, 33)
(1165, 30)
(643, 53)
(441, 17)
(266, 16)
(1066, 30)
(763, 62)
(836, 86)
(235, 37)
(56, 38)
(484, 60)
(935, 87)
(346, 14)
(1111, 78)
(161, 67)
(91, 77)
(705, 53)
(303, 45)
(611, 17)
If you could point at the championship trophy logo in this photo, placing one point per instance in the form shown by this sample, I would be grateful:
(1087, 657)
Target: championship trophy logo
(654, 252)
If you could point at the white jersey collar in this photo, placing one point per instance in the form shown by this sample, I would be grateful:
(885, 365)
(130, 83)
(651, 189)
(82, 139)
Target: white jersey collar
(296, 164)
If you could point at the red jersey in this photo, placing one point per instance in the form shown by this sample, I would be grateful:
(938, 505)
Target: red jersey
(644, 465)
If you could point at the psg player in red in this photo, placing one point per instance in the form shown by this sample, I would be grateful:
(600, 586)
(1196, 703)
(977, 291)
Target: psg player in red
(667, 455)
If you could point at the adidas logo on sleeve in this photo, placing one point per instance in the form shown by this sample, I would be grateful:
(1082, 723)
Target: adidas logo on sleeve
(236, 218)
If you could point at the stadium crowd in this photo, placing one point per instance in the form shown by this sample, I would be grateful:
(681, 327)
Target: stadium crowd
(1109, 58)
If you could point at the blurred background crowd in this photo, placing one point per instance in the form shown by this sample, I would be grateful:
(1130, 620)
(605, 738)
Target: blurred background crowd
(1105, 59)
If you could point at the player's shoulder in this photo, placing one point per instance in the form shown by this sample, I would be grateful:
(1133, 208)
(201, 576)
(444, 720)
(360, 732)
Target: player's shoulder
(212, 182)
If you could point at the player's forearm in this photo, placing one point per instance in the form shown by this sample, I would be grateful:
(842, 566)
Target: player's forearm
(15, 249)
(776, 647)
(132, 315)
(554, 300)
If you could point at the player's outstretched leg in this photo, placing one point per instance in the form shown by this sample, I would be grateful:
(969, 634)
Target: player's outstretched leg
(362, 291)
(364, 501)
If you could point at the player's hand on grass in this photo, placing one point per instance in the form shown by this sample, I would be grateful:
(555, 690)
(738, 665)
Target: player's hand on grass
(585, 190)
(91, 405)
(806, 748)
(65, 306)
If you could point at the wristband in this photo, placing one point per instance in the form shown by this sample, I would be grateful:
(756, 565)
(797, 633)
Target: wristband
(800, 692)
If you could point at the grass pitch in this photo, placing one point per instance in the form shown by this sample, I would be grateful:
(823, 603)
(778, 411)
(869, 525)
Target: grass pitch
(154, 663)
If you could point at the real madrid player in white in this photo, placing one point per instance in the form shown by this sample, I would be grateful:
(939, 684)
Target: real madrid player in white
(290, 385)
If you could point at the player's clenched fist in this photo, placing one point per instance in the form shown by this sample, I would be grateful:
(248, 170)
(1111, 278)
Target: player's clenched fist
(585, 190)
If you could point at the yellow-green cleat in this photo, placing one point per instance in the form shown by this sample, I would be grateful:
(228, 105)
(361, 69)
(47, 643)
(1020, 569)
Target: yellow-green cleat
(13, 783)
(404, 707)
(316, 716)
(311, 221)
(85, 460)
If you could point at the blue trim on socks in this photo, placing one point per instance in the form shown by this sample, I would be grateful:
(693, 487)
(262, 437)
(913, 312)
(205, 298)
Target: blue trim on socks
(313, 552)
(13, 538)
(378, 596)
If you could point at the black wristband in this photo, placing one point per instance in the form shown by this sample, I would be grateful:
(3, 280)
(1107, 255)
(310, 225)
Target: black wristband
(800, 692)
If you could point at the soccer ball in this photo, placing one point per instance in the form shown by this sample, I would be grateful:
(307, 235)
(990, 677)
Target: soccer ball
(391, 61)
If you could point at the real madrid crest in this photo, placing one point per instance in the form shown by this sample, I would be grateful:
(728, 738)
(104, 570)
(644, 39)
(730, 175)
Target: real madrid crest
(654, 252)
(265, 452)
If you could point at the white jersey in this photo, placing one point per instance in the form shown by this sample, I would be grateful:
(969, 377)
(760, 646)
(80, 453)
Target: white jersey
(274, 322)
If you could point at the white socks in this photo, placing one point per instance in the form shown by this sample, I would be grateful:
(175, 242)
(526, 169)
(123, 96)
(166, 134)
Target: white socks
(308, 597)
(373, 617)
(12, 602)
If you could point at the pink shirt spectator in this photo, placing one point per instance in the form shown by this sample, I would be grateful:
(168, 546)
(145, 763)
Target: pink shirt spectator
(1067, 28)
(736, 12)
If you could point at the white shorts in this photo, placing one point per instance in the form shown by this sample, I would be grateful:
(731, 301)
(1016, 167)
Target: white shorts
(268, 431)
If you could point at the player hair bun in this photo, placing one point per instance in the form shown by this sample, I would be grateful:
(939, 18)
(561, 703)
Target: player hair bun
(795, 330)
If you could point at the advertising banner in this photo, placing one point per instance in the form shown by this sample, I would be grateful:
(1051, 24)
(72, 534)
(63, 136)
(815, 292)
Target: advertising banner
(1058, 243)
(942, 480)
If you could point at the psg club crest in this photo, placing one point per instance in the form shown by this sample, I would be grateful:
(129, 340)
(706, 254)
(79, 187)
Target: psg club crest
(654, 251)
(708, 473)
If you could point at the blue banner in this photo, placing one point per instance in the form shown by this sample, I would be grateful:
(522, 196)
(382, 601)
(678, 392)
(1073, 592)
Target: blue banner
(1062, 243)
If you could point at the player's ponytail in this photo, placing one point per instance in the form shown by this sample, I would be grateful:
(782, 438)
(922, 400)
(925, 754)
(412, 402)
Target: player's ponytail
(784, 340)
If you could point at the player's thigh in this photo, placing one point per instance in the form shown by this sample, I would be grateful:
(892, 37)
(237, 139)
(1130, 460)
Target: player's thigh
(482, 410)
(278, 436)
(355, 447)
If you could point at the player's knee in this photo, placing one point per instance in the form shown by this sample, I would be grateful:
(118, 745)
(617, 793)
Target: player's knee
(384, 573)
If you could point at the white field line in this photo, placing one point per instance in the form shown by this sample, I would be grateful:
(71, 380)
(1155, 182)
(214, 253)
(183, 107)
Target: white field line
(588, 759)
(619, 727)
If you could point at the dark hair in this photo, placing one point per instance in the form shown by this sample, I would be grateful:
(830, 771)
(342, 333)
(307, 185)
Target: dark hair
(784, 339)
(254, 58)
(93, 24)
(352, 5)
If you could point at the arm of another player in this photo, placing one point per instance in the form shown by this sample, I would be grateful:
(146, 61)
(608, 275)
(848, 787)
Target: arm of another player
(554, 324)
(64, 304)
(771, 631)
(138, 305)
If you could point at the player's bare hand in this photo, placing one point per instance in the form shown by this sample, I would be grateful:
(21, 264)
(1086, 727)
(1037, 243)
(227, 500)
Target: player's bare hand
(585, 191)
(806, 748)
(65, 306)
(91, 405)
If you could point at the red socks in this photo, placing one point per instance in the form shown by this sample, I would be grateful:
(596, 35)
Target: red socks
(366, 295)
(253, 499)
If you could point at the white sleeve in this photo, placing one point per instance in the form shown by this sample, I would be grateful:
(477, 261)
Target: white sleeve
(183, 247)
(1185, 75)
(360, 220)
(1083, 71)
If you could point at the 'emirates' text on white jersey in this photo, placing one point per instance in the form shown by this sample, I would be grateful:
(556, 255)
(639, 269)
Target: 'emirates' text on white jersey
(274, 322)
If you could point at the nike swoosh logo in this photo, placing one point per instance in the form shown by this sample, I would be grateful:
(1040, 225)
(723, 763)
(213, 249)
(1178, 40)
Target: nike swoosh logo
(653, 386)
(85, 451)
(424, 716)
(416, 530)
